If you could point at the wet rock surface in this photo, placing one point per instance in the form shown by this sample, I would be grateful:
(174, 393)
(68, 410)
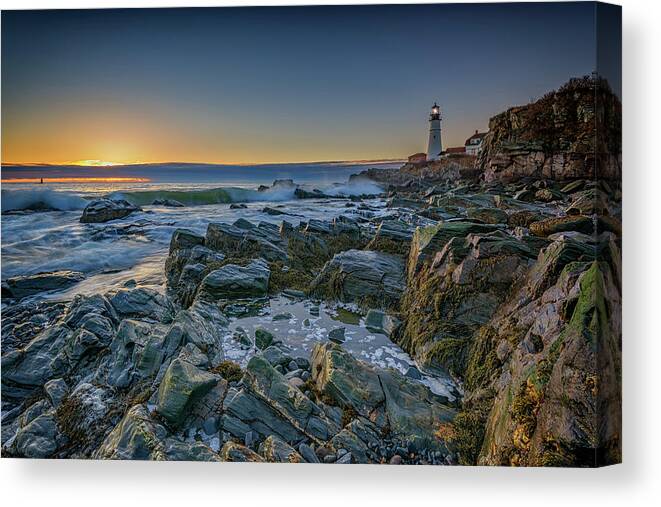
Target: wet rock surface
(104, 210)
(326, 341)
(19, 287)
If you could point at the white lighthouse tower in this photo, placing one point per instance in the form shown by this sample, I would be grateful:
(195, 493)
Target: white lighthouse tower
(434, 147)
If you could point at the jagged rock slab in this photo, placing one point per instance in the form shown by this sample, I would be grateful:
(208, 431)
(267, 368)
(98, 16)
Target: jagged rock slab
(234, 452)
(350, 383)
(232, 281)
(142, 303)
(276, 451)
(369, 278)
(265, 382)
(182, 386)
(429, 240)
(28, 285)
(409, 409)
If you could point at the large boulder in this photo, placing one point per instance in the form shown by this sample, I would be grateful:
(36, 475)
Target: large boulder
(187, 263)
(261, 241)
(545, 372)
(268, 405)
(137, 436)
(455, 289)
(40, 438)
(349, 382)
(182, 386)
(244, 412)
(550, 226)
(264, 382)
(203, 324)
(142, 303)
(427, 241)
(392, 236)
(27, 285)
(138, 350)
(233, 281)
(373, 279)
(409, 409)
(104, 210)
(29, 368)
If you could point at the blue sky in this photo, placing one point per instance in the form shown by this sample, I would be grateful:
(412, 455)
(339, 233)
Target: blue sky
(239, 85)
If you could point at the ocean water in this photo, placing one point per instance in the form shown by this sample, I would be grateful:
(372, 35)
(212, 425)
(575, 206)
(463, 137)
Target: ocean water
(35, 240)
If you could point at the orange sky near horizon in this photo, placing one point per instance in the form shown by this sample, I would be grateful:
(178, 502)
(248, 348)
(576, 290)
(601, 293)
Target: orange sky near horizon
(251, 86)
(123, 135)
(122, 132)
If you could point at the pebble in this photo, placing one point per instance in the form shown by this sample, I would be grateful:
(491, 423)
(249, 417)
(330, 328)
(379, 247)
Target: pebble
(308, 453)
(249, 438)
(396, 460)
(337, 335)
(209, 426)
(302, 363)
(344, 460)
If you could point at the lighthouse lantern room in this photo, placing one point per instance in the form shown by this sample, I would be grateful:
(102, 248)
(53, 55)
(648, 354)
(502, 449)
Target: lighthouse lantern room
(434, 147)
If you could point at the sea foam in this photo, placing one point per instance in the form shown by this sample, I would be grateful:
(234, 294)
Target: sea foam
(42, 199)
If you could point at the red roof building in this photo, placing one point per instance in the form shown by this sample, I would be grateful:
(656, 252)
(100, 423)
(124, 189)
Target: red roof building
(474, 143)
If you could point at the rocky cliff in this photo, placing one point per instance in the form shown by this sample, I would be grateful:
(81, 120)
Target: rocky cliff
(574, 132)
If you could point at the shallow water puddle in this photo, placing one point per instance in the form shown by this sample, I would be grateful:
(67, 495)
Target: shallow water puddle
(302, 323)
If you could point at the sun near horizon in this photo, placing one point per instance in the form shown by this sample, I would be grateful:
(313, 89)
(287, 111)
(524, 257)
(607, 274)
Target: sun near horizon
(95, 163)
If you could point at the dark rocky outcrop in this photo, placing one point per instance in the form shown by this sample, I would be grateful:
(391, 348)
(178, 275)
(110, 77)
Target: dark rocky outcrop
(232, 281)
(571, 133)
(385, 397)
(374, 279)
(104, 210)
(28, 285)
(544, 373)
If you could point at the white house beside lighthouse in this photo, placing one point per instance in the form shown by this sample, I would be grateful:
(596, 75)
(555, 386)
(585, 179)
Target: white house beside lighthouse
(435, 147)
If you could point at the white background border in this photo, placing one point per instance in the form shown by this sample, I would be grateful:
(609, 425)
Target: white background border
(636, 482)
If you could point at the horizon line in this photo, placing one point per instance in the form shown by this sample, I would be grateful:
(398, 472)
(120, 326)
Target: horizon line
(219, 164)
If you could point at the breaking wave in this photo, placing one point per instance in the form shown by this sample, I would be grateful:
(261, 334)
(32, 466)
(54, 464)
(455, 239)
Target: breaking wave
(281, 190)
(40, 200)
(225, 195)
